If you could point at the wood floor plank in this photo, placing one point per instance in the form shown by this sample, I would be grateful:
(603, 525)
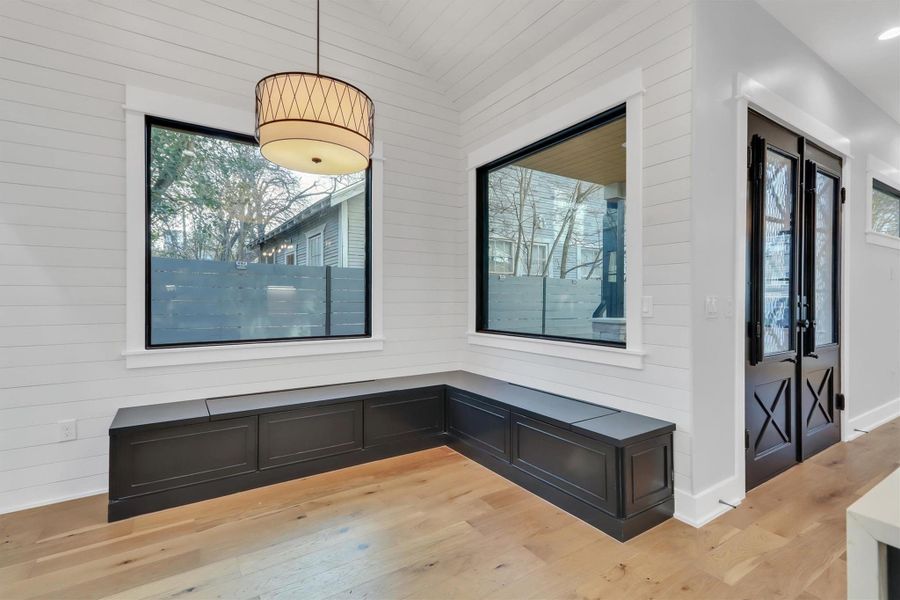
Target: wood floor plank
(434, 524)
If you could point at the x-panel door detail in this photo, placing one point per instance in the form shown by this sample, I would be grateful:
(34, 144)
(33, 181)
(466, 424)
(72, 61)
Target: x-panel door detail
(793, 240)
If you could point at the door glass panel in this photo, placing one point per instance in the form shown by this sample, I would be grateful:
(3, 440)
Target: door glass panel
(824, 259)
(778, 245)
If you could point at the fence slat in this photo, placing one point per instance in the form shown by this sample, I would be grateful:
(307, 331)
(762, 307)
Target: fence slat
(558, 307)
(195, 301)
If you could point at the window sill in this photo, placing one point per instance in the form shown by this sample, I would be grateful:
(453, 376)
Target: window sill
(164, 357)
(882, 239)
(619, 357)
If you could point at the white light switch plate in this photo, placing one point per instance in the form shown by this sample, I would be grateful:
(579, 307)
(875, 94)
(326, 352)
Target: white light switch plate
(68, 430)
(646, 306)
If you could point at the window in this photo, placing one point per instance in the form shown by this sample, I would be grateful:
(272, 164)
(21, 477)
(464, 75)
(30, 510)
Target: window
(500, 259)
(314, 250)
(885, 209)
(221, 266)
(537, 258)
(552, 230)
(588, 260)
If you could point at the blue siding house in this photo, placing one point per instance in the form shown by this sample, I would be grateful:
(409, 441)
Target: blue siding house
(329, 233)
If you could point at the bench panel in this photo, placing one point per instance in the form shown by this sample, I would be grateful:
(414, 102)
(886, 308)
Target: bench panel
(156, 460)
(647, 473)
(482, 425)
(575, 464)
(305, 434)
(403, 415)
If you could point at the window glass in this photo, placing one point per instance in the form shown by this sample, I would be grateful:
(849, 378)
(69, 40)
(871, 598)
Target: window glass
(315, 253)
(537, 259)
(553, 216)
(225, 230)
(885, 209)
(501, 257)
(778, 244)
(826, 195)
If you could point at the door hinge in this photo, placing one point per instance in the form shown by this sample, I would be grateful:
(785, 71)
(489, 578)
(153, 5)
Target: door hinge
(746, 439)
(749, 158)
(840, 401)
(843, 195)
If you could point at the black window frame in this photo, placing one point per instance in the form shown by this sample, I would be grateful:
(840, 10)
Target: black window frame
(149, 122)
(887, 189)
(482, 224)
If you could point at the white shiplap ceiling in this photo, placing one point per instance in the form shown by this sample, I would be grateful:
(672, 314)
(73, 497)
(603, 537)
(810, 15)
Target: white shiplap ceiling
(845, 34)
(472, 47)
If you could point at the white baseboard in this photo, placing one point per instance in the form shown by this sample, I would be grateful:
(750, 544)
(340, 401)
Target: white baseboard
(699, 509)
(48, 501)
(871, 419)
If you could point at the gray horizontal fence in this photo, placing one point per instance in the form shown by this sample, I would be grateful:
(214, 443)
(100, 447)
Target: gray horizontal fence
(549, 306)
(211, 301)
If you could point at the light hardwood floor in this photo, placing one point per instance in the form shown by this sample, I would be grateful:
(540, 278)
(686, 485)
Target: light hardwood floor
(437, 525)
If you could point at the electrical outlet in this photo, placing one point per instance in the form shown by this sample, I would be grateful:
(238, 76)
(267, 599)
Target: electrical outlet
(68, 430)
(712, 307)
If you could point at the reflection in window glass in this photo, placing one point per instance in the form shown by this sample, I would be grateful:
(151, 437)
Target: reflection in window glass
(885, 209)
(778, 243)
(227, 241)
(555, 230)
(824, 259)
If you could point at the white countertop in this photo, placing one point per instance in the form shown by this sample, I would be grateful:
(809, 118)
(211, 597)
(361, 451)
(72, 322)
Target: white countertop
(878, 510)
(873, 521)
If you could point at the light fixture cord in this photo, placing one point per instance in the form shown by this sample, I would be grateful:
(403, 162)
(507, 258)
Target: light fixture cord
(317, 36)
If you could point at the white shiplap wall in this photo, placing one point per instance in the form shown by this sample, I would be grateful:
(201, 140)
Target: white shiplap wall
(64, 65)
(655, 36)
(472, 47)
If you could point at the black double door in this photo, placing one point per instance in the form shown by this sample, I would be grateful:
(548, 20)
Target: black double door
(793, 398)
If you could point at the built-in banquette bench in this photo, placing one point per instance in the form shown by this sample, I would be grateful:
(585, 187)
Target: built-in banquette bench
(611, 468)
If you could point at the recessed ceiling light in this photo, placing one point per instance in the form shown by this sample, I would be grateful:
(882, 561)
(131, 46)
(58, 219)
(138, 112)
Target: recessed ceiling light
(890, 34)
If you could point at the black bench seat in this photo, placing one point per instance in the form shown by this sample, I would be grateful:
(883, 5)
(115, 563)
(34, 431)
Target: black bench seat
(609, 467)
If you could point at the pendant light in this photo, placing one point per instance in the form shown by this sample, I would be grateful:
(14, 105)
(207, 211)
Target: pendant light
(314, 123)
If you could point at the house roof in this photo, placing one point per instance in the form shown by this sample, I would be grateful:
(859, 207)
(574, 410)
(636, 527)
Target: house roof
(318, 207)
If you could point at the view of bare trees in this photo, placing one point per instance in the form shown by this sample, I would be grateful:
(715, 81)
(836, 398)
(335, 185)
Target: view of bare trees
(211, 198)
(885, 211)
(522, 214)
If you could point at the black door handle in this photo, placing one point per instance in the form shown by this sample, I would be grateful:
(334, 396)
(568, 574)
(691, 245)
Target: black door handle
(802, 323)
(790, 360)
(812, 355)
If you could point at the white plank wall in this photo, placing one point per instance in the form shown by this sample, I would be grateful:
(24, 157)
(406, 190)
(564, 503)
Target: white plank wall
(446, 78)
(657, 37)
(63, 71)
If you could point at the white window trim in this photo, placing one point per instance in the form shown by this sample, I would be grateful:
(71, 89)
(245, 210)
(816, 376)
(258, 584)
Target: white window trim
(628, 88)
(140, 102)
(344, 231)
(317, 231)
(885, 173)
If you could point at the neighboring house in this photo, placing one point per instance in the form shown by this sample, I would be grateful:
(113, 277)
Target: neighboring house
(595, 248)
(549, 197)
(330, 232)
